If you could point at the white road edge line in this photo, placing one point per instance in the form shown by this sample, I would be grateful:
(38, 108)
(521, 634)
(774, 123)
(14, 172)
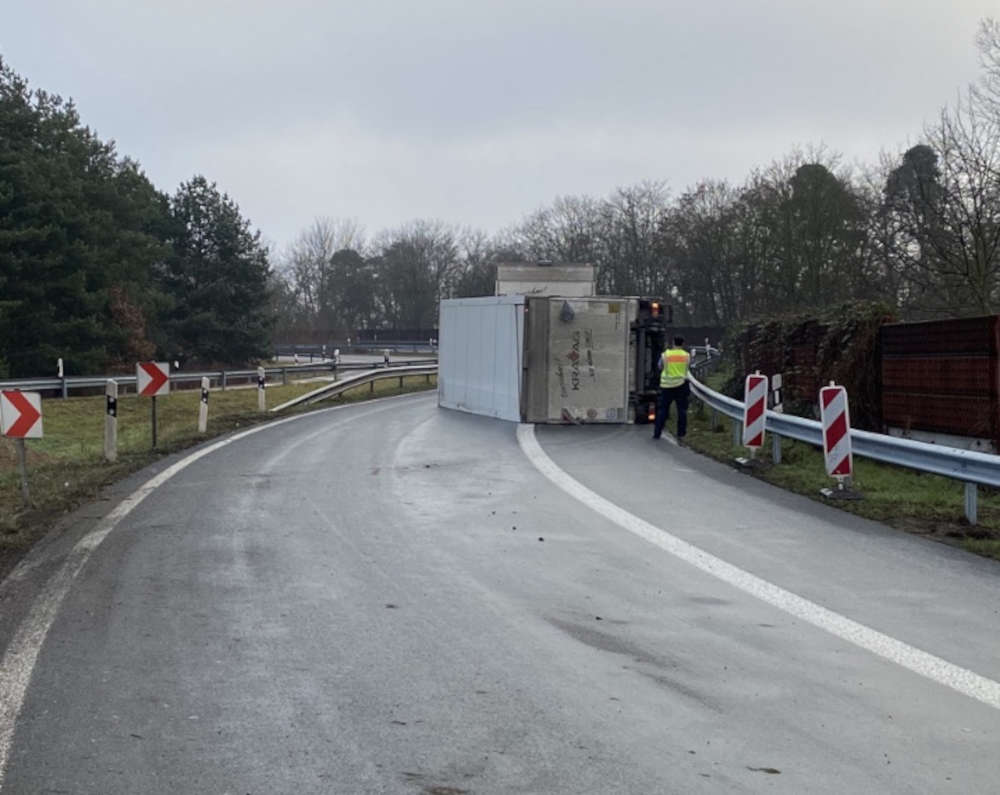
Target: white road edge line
(18, 661)
(920, 662)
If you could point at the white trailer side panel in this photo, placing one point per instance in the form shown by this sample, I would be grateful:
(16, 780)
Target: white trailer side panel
(480, 355)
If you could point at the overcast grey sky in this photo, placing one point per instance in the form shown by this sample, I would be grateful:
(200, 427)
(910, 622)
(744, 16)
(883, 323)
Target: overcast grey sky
(477, 112)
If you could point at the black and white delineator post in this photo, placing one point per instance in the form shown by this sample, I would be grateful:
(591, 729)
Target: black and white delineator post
(261, 389)
(111, 420)
(778, 407)
(203, 407)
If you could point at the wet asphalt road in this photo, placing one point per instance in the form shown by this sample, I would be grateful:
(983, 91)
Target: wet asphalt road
(362, 601)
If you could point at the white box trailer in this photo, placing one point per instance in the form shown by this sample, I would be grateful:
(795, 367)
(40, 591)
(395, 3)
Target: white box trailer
(480, 355)
(542, 359)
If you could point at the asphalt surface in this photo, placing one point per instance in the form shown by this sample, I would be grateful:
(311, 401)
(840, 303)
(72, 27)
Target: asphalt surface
(390, 598)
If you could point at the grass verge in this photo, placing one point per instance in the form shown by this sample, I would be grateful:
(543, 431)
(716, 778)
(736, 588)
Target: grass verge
(916, 502)
(66, 468)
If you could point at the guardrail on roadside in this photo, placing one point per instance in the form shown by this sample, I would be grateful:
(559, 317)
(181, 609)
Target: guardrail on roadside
(312, 349)
(971, 467)
(220, 378)
(359, 379)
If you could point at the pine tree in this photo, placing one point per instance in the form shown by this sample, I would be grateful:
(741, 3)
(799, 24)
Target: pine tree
(217, 278)
(75, 221)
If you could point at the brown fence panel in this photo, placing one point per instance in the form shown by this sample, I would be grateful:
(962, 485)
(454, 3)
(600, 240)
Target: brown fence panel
(942, 376)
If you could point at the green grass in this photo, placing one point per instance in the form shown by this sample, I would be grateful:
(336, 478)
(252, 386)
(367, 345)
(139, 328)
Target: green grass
(67, 468)
(916, 502)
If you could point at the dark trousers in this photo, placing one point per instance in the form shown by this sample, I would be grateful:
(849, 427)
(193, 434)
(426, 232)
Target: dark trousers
(668, 395)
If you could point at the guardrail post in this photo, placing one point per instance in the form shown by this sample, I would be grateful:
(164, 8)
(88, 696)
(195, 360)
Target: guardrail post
(284, 376)
(65, 390)
(737, 432)
(152, 417)
(775, 448)
(22, 465)
(970, 502)
(222, 380)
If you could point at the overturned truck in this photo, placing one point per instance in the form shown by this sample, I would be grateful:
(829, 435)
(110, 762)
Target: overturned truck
(551, 359)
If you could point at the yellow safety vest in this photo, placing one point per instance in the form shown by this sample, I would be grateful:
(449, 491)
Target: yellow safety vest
(675, 367)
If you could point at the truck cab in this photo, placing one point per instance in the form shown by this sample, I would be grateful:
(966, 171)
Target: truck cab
(649, 340)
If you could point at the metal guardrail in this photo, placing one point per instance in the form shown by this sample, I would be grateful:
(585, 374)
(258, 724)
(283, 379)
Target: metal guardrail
(359, 379)
(312, 349)
(969, 466)
(222, 377)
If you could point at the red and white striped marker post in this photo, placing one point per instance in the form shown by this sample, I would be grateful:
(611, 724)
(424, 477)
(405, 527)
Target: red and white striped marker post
(754, 405)
(754, 415)
(836, 421)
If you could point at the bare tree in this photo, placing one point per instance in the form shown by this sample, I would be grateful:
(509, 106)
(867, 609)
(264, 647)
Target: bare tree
(307, 268)
(700, 237)
(565, 232)
(986, 94)
(943, 204)
(631, 260)
(963, 228)
(416, 266)
(478, 255)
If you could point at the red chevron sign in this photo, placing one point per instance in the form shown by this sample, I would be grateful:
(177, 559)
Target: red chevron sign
(152, 378)
(21, 414)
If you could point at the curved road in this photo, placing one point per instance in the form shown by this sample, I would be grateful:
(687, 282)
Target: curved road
(390, 597)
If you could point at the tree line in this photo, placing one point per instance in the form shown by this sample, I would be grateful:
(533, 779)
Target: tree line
(100, 268)
(919, 230)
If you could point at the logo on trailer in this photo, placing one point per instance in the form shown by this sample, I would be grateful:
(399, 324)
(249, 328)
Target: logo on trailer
(21, 414)
(754, 404)
(152, 378)
(836, 431)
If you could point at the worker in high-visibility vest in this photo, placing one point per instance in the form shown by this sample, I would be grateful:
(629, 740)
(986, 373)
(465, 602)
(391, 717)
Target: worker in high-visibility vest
(674, 388)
